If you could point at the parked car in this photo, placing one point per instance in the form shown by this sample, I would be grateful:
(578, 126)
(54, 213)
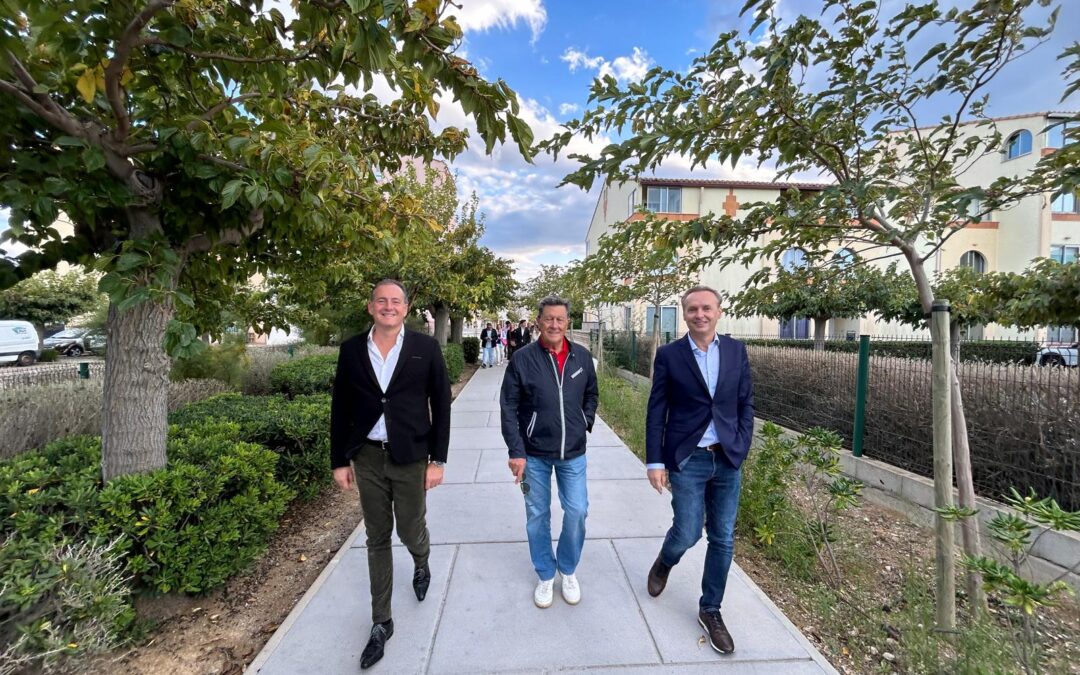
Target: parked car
(77, 341)
(1059, 355)
(18, 343)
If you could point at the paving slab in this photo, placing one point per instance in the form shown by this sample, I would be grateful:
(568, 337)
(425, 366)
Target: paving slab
(603, 464)
(494, 632)
(479, 438)
(461, 466)
(469, 419)
(329, 635)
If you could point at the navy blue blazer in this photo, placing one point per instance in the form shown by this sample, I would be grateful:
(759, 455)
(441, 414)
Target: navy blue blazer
(680, 407)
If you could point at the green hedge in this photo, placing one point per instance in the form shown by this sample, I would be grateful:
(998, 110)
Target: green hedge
(455, 361)
(470, 348)
(309, 375)
(989, 351)
(75, 549)
(298, 430)
(227, 362)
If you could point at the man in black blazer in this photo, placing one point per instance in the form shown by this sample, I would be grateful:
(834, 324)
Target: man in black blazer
(390, 419)
(697, 433)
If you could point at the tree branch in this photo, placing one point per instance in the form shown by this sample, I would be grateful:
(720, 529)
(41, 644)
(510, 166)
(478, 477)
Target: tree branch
(218, 108)
(200, 243)
(115, 70)
(217, 56)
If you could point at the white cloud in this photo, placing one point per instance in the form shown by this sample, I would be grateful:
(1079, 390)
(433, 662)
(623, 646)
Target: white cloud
(567, 108)
(483, 15)
(629, 68)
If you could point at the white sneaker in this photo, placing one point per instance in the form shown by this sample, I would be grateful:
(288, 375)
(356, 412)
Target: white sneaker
(571, 591)
(544, 593)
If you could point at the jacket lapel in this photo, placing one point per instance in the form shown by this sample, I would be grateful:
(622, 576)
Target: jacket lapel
(686, 349)
(403, 356)
(365, 363)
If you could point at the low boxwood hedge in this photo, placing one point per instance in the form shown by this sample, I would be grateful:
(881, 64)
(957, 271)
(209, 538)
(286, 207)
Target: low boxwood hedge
(309, 375)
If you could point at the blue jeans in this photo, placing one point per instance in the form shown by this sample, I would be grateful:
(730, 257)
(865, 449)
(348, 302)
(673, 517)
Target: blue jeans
(489, 356)
(704, 493)
(574, 497)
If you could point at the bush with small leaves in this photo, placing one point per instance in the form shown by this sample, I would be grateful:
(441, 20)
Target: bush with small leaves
(308, 375)
(470, 349)
(455, 361)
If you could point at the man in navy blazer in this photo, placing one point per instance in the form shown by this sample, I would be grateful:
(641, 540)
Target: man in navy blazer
(697, 434)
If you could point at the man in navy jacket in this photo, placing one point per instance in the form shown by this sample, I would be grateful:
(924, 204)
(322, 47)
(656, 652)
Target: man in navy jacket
(697, 434)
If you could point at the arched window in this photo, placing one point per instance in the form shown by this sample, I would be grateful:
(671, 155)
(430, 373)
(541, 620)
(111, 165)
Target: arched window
(793, 258)
(973, 260)
(844, 258)
(1019, 144)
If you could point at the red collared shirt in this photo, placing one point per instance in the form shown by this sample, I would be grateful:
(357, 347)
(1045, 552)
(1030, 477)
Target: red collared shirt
(560, 356)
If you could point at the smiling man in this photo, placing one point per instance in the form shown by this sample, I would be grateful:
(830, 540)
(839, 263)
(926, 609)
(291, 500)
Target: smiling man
(548, 400)
(697, 434)
(390, 420)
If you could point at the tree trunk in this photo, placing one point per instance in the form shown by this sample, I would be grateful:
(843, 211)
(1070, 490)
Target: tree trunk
(969, 527)
(442, 321)
(820, 326)
(40, 328)
(655, 338)
(457, 329)
(135, 399)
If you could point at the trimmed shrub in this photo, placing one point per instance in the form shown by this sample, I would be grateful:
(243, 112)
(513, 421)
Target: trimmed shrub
(470, 349)
(48, 356)
(455, 361)
(309, 375)
(298, 430)
(227, 362)
(264, 359)
(31, 417)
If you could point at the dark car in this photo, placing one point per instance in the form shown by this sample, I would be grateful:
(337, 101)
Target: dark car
(76, 341)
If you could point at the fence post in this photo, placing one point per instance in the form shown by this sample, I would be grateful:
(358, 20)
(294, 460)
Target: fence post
(862, 380)
(941, 395)
(84, 371)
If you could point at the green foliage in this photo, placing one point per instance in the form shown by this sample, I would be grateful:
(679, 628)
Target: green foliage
(308, 375)
(50, 298)
(227, 362)
(623, 406)
(470, 348)
(190, 527)
(455, 361)
(48, 356)
(565, 281)
(297, 429)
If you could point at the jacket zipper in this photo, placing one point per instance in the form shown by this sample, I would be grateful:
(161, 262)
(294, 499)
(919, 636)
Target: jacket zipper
(562, 407)
(532, 423)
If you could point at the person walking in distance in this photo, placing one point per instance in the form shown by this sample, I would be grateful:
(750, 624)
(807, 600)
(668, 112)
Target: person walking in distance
(389, 435)
(488, 338)
(548, 402)
(698, 430)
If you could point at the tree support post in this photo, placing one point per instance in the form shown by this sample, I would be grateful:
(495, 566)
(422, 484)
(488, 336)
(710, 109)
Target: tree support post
(862, 381)
(945, 611)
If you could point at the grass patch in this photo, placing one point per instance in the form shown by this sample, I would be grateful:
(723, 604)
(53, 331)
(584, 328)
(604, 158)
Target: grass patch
(623, 406)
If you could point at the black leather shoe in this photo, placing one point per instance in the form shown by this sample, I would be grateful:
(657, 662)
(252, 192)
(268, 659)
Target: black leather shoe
(421, 579)
(380, 633)
(658, 577)
(716, 631)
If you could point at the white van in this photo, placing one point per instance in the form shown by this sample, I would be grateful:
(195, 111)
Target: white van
(18, 343)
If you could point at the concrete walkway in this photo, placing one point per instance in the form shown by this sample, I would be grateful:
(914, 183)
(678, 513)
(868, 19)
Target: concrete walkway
(479, 616)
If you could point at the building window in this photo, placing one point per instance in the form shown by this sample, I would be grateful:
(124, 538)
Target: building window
(844, 258)
(1065, 254)
(1065, 202)
(668, 322)
(973, 260)
(1019, 144)
(793, 258)
(1057, 135)
(663, 199)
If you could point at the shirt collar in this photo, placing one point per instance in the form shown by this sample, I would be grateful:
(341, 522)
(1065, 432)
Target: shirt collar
(397, 342)
(694, 347)
(565, 347)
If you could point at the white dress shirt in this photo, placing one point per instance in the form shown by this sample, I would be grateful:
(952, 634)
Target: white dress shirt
(384, 370)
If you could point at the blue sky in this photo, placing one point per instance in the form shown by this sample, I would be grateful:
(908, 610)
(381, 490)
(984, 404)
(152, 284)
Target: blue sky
(550, 50)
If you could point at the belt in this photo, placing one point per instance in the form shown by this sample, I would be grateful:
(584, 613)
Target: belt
(378, 444)
(715, 447)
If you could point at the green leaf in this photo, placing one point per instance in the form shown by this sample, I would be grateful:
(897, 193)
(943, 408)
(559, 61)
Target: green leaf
(231, 192)
(129, 261)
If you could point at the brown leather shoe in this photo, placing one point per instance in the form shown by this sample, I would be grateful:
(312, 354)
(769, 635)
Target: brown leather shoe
(716, 631)
(658, 575)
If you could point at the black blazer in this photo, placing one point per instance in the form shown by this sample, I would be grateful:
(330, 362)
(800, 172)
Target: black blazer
(416, 402)
(680, 407)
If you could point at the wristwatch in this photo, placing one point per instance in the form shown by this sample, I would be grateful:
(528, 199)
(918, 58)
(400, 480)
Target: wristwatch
(438, 464)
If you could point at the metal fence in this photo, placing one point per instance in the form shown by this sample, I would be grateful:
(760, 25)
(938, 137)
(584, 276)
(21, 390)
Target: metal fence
(1023, 419)
(49, 373)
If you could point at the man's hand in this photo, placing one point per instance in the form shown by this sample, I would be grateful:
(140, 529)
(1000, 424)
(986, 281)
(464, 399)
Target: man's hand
(517, 467)
(343, 476)
(658, 478)
(434, 476)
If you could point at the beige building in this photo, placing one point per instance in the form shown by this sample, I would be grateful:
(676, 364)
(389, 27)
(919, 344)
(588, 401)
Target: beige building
(1038, 226)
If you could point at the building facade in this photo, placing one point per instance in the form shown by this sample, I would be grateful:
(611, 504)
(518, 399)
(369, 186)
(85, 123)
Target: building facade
(1009, 240)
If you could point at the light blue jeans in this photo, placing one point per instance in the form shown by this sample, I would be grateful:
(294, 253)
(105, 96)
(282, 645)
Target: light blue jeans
(574, 498)
(489, 356)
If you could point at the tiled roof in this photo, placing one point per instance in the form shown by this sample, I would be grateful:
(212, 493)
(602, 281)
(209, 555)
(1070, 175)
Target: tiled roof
(733, 184)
